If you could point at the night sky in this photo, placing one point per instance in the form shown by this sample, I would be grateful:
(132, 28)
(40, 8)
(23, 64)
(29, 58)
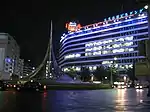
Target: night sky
(27, 20)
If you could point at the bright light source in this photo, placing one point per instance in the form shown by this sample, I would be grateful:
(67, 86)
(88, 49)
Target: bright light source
(27, 74)
(146, 6)
(96, 82)
(29, 60)
(115, 58)
(44, 86)
(33, 68)
(124, 78)
(31, 80)
(21, 77)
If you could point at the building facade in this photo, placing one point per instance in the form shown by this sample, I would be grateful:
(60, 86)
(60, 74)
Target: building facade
(9, 56)
(119, 40)
(27, 69)
(21, 66)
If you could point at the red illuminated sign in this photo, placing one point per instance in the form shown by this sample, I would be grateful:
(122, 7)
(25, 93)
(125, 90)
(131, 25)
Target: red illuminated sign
(73, 26)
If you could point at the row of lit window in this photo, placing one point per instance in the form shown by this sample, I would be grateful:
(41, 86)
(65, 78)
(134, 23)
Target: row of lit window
(109, 51)
(72, 56)
(108, 46)
(129, 38)
(92, 68)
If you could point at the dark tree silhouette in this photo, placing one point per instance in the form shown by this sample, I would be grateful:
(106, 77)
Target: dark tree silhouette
(100, 73)
(85, 74)
(131, 75)
(72, 73)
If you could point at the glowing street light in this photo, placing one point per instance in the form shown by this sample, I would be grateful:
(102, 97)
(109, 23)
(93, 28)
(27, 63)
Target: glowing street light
(111, 77)
(146, 6)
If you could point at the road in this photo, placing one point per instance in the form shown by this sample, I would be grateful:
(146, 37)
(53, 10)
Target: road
(112, 100)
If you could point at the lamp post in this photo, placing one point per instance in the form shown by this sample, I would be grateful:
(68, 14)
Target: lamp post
(111, 75)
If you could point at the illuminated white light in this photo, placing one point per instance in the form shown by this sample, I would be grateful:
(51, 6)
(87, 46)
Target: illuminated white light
(146, 6)
(95, 67)
(90, 68)
(78, 68)
(72, 56)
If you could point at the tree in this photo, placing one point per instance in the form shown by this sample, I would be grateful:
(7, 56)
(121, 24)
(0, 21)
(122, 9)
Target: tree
(72, 72)
(131, 75)
(112, 70)
(100, 73)
(85, 74)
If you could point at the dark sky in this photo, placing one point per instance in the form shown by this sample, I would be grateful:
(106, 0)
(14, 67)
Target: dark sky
(27, 20)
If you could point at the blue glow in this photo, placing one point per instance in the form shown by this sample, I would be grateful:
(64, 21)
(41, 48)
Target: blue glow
(84, 32)
(99, 60)
(135, 12)
(8, 60)
(131, 12)
(117, 16)
(141, 10)
(121, 15)
(111, 28)
(73, 41)
(109, 18)
(61, 54)
(126, 14)
(113, 17)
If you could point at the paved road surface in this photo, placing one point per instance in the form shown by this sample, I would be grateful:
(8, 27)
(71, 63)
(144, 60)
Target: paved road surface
(112, 100)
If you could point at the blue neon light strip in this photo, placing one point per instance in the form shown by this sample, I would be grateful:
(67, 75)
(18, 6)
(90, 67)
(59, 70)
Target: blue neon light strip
(100, 55)
(146, 27)
(100, 64)
(110, 59)
(97, 35)
(104, 50)
(103, 45)
(110, 33)
(138, 34)
(128, 20)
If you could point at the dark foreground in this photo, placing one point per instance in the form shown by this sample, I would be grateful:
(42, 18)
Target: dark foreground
(110, 100)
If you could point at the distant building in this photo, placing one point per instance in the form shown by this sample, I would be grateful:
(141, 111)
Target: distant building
(9, 56)
(27, 68)
(48, 70)
(21, 66)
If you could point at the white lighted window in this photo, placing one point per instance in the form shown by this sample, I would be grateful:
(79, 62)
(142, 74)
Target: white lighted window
(72, 56)
(129, 38)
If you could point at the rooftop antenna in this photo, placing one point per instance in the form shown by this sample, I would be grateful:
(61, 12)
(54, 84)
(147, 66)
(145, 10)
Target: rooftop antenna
(122, 8)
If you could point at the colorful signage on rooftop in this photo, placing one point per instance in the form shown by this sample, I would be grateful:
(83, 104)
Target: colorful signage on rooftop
(73, 26)
(123, 15)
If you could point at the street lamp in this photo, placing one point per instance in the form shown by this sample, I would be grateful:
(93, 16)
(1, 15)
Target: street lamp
(111, 75)
(146, 6)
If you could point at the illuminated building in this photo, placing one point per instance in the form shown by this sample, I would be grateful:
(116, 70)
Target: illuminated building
(9, 56)
(119, 40)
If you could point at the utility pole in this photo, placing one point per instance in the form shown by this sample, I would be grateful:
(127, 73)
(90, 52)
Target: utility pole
(111, 75)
